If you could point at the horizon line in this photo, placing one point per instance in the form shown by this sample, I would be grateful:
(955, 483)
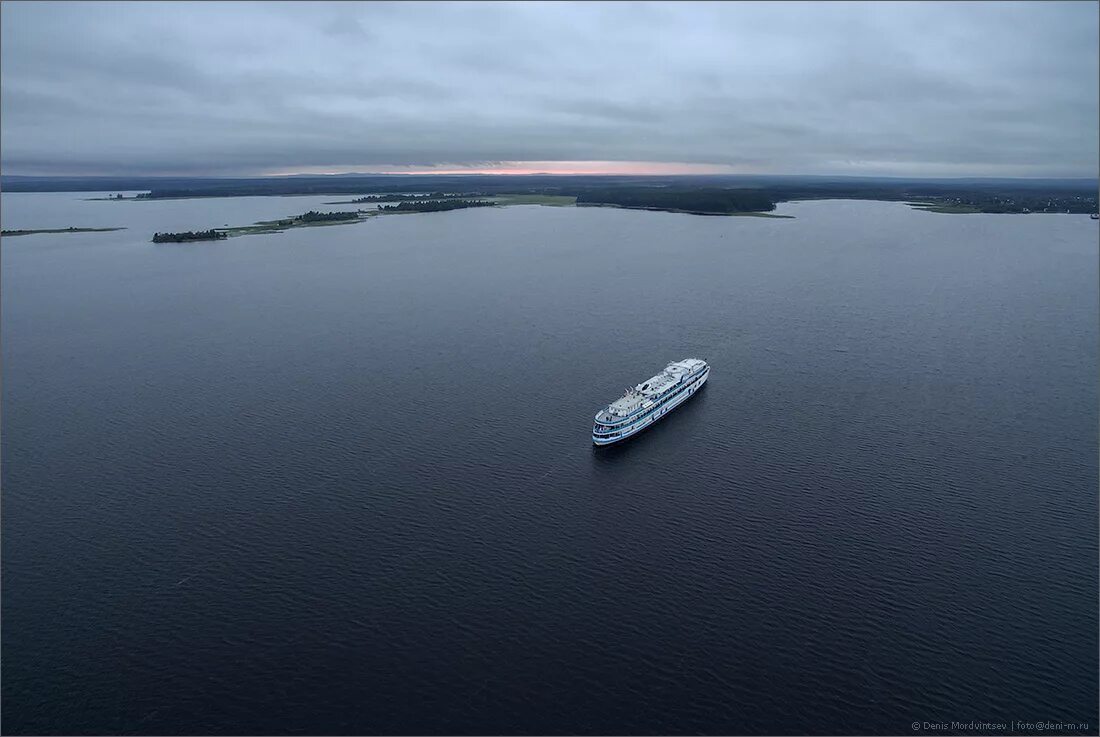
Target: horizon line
(507, 174)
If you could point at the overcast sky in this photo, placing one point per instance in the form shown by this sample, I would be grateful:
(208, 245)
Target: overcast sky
(926, 89)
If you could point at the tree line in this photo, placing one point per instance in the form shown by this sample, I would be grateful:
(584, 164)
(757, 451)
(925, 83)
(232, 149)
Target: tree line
(189, 235)
(433, 205)
(697, 200)
(403, 197)
(325, 217)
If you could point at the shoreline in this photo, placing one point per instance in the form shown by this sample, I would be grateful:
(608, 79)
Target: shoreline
(938, 206)
(36, 231)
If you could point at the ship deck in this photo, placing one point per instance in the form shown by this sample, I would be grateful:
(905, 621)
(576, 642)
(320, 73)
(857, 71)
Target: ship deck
(637, 396)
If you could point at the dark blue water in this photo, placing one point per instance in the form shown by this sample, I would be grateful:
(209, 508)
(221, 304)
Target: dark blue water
(340, 480)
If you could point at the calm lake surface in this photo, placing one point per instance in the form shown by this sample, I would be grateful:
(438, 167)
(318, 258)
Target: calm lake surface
(340, 480)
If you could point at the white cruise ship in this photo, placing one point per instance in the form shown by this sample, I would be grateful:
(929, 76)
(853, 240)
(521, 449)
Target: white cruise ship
(649, 401)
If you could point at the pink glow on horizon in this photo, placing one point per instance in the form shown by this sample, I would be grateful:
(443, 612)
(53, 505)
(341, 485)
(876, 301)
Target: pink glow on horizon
(633, 168)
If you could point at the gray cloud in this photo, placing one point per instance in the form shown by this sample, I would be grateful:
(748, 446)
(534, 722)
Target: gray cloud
(999, 89)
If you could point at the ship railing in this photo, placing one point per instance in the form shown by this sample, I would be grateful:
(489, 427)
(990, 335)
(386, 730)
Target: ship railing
(642, 411)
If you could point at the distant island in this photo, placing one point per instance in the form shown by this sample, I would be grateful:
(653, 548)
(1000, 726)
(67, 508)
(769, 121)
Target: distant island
(57, 230)
(189, 235)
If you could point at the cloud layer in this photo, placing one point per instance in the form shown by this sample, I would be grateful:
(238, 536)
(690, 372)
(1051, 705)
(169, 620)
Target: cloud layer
(937, 89)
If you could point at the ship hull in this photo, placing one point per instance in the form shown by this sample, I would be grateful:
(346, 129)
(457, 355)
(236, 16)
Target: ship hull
(690, 388)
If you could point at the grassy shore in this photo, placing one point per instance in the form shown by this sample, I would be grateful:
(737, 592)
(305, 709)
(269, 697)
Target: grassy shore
(949, 209)
(533, 199)
(690, 212)
(283, 224)
(58, 230)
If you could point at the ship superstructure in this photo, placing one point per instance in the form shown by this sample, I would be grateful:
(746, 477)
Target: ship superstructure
(644, 404)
